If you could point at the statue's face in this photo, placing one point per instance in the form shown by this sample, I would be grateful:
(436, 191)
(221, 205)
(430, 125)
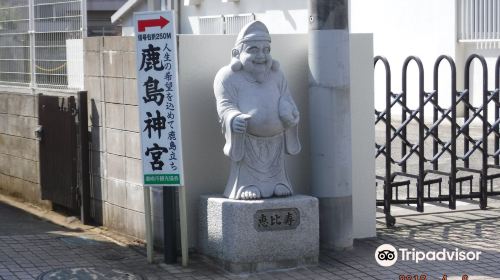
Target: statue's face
(255, 56)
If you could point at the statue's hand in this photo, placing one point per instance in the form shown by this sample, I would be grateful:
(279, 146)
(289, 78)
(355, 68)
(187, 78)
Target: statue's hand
(288, 112)
(291, 120)
(239, 123)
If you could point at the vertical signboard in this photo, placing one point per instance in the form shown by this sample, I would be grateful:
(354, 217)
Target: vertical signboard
(157, 88)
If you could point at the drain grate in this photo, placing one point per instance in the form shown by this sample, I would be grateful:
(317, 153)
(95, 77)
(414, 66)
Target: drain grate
(88, 273)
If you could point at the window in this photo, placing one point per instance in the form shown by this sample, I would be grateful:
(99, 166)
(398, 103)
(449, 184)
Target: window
(224, 24)
(478, 20)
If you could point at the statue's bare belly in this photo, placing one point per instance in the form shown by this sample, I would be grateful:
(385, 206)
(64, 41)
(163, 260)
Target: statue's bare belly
(261, 102)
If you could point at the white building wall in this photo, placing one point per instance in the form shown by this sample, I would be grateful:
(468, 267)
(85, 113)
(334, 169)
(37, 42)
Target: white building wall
(424, 28)
(280, 16)
(127, 20)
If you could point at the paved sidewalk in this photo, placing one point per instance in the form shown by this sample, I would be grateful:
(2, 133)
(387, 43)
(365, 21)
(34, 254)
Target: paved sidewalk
(31, 248)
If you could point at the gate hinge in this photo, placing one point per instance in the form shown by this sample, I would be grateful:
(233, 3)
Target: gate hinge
(39, 133)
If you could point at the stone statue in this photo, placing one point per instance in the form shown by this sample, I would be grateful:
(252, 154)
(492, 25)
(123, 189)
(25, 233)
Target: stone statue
(258, 117)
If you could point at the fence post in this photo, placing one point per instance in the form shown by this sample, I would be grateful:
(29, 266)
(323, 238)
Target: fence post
(453, 168)
(484, 172)
(484, 118)
(497, 108)
(403, 119)
(389, 220)
(387, 183)
(453, 130)
(466, 101)
(420, 119)
(435, 130)
(31, 32)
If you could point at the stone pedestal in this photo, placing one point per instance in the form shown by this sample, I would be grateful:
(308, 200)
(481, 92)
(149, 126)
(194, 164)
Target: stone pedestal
(259, 235)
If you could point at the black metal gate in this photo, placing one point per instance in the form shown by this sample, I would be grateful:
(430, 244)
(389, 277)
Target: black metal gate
(63, 143)
(427, 171)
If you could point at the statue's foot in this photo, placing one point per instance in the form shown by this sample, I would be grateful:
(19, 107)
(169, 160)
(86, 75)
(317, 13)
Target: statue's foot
(282, 190)
(250, 192)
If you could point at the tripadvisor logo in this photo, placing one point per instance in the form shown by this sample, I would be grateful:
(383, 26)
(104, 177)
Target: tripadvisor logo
(387, 255)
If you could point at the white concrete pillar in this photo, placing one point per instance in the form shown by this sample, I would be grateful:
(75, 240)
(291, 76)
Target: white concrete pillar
(330, 120)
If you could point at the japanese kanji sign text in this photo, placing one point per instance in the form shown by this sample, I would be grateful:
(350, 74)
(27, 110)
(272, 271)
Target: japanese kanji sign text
(158, 98)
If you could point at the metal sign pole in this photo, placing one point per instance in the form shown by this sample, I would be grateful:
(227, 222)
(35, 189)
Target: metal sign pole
(183, 225)
(83, 156)
(169, 225)
(149, 224)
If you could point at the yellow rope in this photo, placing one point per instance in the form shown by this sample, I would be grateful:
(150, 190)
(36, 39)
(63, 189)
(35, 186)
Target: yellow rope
(50, 70)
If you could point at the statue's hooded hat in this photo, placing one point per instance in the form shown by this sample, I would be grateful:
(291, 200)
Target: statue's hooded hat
(253, 31)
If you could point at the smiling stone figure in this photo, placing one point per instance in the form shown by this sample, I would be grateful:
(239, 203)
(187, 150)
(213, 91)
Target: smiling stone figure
(258, 116)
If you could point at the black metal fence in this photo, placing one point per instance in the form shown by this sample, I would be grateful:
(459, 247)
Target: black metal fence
(456, 154)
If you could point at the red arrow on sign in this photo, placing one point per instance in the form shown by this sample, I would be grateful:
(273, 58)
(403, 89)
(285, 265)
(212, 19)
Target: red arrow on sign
(161, 22)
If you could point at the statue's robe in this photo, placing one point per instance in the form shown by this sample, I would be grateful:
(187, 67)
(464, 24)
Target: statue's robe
(257, 156)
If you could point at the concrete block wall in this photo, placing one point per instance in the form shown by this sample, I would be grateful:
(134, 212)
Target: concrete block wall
(117, 195)
(19, 151)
